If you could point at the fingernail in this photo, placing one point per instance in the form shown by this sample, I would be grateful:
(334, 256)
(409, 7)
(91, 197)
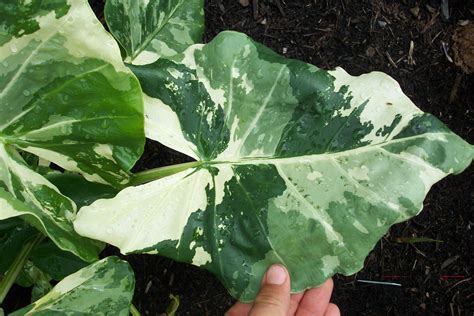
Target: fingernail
(276, 275)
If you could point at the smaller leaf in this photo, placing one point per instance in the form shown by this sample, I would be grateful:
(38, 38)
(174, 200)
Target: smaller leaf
(32, 276)
(105, 287)
(78, 189)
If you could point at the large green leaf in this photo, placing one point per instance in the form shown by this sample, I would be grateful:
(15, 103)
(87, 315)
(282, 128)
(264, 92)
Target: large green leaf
(297, 165)
(153, 28)
(65, 94)
(103, 288)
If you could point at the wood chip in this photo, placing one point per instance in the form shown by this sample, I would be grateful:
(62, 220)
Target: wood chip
(445, 48)
(255, 9)
(390, 60)
(448, 262)
(430, 9)
(411, 60)
(148, 286)
(415, 11)
(244, 3)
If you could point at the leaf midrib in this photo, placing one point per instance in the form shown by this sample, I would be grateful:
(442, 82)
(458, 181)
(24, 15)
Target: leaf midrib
(152, 35)
(324, 156)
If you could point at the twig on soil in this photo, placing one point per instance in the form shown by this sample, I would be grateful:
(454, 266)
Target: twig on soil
(451, 307)
(390, 60)
(148, 286)
(379, 282)
(418, 250)
(454, 91)
(255, 9)
(318, 29)
(343, 6)
(430, 22)
(457, 283)
(280, 8)
(436, 36)
(270, 36)
(411, 61)
(444, 45)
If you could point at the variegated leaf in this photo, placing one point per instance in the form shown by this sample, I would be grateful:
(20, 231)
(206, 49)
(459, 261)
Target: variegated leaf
(28, 194)
(153, 28)
(296, 165)
(103, 288)
(65, 94)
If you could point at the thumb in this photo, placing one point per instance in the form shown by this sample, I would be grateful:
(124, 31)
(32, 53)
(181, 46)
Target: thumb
(274, 296)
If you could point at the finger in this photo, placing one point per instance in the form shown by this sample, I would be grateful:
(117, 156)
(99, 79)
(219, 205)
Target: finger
(316, 301)
(295, 300)
(274, 296)
(332, 310)
(239, 309)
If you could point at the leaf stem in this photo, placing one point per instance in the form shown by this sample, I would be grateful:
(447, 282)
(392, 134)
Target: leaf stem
(158, 173)
(134, 311)
(17, 265)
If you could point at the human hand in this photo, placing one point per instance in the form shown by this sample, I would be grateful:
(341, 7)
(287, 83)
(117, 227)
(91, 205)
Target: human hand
(274, 298)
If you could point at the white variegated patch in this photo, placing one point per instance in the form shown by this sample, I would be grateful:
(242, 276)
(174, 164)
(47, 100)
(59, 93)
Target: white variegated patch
(385, 100)
(128, 228)
(166, 131)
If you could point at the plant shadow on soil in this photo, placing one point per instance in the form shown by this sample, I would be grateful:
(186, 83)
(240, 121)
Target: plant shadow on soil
(360, 36)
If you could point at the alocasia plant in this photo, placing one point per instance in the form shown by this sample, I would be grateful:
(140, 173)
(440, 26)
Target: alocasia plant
(103, 287)
(295, 165)
(67, 97)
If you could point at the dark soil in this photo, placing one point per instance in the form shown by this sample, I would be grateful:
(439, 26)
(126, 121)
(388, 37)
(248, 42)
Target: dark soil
(360, 36)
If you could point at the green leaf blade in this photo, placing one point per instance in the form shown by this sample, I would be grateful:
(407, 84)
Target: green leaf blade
(299, 166)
